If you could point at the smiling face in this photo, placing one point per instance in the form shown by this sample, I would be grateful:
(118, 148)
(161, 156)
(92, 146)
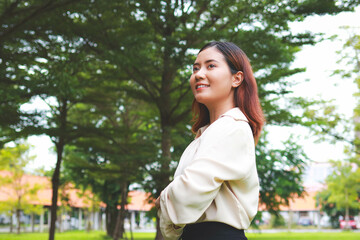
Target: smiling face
(212, 82)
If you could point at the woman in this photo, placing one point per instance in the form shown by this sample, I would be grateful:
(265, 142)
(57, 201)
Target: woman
(214, 194)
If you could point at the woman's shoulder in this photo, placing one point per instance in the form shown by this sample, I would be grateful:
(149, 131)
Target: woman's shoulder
(227, 126)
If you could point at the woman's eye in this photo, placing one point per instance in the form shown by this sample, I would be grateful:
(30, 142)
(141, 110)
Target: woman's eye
(211, 66)
(195, 69)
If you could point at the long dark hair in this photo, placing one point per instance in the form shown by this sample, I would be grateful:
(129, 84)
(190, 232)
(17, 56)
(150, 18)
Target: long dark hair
(245, 95)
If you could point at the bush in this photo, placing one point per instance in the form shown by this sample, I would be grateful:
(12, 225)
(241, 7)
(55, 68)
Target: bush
(277, 220)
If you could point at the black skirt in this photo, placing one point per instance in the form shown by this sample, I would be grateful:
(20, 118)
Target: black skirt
(212, 231)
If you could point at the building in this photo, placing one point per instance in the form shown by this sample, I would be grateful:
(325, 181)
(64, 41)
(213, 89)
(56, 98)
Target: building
(81, 210)
(303, 210)
(78, 210)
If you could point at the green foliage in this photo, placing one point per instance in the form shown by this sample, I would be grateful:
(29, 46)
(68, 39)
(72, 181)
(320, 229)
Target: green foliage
(108, 159)
(322, 200)
(341, 197)
(22, 26)
(350, 57)
(280, 173)
(15, 158)
(19, 194)
(155, 52)
(344, 185)
(277, 221)
(327, 124)
(92, 62)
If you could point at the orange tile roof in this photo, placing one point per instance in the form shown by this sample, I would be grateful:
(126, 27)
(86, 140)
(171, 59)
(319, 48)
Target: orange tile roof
(307, 203)
(44, 194)
(138, 199)
(139, 202)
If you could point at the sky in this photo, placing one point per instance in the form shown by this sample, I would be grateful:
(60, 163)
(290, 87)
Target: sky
(319, 60)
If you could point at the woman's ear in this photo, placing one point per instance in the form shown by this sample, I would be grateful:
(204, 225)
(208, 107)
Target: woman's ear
(237, 79)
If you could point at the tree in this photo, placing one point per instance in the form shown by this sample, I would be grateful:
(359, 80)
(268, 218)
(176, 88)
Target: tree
(343, 185)
(343, 188)
(21, 24)
(280, 173)
(61, 85)
(53, 71)
(27, 36)
(324, 120)
(110, 160)
(331, 209)
(352, 58)
(153, 42)
(12, 181)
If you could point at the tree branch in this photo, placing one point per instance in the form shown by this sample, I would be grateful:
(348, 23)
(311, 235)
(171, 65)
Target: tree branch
(49, 6)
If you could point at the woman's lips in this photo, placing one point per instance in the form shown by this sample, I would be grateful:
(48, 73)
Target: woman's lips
(201, 86)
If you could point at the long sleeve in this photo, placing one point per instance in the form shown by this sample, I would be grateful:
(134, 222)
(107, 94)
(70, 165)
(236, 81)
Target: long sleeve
(225, 154)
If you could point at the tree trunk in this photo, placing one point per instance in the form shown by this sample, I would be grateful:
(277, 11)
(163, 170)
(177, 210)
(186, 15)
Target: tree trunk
(80, 219)
(119, 227)
(158, 232)
(166, 155)
(11, 222)
(18, 221)
(101, 221)
(60, 144)
(32, 222)
(107, 219)
(60, 221)
(111, 218)
(55, 188)
(347, 226)
(131, 228)
(42, 221)
(290, 219)
(88, 222)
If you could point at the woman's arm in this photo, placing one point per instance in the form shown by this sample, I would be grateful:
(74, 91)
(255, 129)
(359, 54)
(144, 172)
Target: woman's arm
(225, 153)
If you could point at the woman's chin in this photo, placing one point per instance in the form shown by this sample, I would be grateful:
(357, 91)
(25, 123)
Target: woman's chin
(201, 99)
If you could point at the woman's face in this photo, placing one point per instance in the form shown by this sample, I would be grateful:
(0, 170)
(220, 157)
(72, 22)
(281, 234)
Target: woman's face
(211, 81)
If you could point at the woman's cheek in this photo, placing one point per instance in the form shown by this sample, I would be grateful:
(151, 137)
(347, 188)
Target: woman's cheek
(192, 85)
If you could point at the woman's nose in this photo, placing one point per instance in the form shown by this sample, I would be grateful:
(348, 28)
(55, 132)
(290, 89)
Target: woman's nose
(200, 74)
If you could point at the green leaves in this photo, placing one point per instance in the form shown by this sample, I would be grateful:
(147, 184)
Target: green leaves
(344, 185)
(19, 194)
(341, 197)
(15, 158)
(114, 75)
(280, 173)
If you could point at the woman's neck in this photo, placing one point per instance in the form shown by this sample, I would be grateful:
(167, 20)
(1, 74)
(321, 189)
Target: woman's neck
(216, 111)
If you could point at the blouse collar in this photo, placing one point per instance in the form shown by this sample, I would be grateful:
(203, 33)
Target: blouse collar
(235, 113)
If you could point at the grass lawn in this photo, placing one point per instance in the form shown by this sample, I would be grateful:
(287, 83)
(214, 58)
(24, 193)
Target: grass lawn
(305, 236)
(80, 235)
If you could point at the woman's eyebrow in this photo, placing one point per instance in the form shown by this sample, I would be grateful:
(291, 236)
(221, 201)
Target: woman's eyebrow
(211, 60)
(207, 61)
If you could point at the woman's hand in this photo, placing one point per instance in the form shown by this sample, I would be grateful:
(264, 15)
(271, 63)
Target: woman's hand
(157, 203)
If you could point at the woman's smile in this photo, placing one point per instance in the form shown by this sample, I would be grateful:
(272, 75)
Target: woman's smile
(201, 86)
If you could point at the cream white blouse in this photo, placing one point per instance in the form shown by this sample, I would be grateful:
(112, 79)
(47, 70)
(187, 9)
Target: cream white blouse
(216, 179)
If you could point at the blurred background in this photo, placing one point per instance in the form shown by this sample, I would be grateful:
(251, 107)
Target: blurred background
(95, 110)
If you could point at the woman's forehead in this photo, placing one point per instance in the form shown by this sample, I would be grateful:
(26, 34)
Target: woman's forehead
(208, 54)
